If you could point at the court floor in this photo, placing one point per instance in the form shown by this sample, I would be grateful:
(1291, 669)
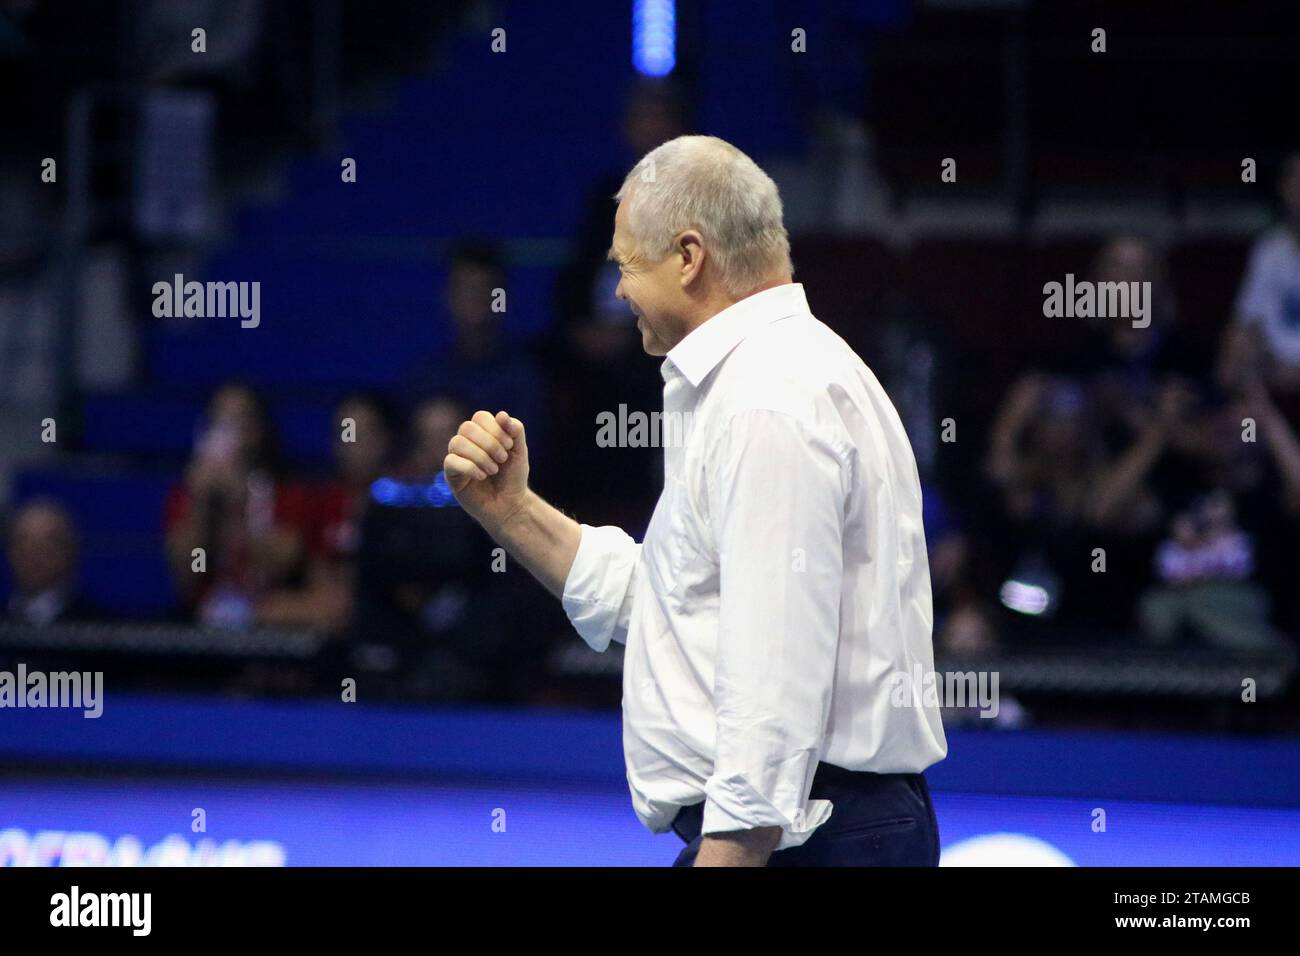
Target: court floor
(47, 820)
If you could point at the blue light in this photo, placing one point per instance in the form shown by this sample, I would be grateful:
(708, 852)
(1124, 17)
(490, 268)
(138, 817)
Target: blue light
(398, 494)
(385, 491)
(654, 36)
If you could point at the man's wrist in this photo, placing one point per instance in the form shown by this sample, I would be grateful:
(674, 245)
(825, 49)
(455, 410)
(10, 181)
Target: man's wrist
(517, 517)
(738, 847)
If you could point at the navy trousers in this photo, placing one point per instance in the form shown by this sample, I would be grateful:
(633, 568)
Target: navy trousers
(878, 820)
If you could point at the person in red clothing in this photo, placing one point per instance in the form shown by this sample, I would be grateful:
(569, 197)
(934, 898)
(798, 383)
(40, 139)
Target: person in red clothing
(234, 524)
(363, 437)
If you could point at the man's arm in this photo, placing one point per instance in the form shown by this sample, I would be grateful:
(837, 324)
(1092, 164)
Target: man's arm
(777, 497)
(487, 469)
(592, 570)
(543, 539)
(738, 848)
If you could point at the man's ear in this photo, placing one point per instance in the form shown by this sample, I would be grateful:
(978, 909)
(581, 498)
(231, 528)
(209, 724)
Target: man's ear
(690, 246)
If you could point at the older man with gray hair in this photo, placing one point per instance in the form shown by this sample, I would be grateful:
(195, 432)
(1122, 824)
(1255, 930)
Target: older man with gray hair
(777, 614)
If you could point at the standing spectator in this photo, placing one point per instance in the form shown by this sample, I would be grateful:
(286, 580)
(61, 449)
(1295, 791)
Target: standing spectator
(597, 341)
(1264, 337)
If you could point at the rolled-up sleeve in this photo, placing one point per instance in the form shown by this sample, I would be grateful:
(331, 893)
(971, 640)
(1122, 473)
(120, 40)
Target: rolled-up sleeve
(599, 589)
(777, 496)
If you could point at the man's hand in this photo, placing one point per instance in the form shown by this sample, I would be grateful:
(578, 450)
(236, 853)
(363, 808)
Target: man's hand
(487, 467)
(738, 847)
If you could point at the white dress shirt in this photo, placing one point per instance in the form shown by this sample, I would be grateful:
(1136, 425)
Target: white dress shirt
(1270, 294)
(782, 587)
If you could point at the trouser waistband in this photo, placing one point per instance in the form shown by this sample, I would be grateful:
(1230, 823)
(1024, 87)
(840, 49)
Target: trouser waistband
(690, 820)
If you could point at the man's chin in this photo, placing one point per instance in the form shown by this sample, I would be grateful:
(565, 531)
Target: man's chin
(653, 347)
(649, 343)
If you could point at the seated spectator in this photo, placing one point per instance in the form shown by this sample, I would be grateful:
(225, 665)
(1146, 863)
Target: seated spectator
(432, 606)
(1205, 589)
(42, 552)
(238, 510)
(1102, 460)
(1221, 502)
(433, 423)
(364, 439)
(481, 366)
(1252, 450)
(962, 624)
(1279, 439)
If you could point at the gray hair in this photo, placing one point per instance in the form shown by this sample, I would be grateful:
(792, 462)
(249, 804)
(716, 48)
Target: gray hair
(705, 183)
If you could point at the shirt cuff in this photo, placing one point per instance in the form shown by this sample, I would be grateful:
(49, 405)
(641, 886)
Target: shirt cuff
(598, 584)
(732, 804)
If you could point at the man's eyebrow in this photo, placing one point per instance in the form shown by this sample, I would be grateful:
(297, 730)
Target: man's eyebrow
(611, 255)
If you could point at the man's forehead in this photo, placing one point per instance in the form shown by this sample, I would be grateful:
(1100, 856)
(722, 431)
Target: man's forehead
(621, 241)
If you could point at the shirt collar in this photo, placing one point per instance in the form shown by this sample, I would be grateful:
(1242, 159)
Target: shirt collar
(700, 352)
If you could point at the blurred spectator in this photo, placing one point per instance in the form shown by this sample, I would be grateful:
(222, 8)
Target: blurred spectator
(1127, 494)
(1204, 568)
(1225, 470)
(324, 599)
(602, 349)
(1268, 470)
(962, 624)
(433, 616)
(1221, 502)
(1061, 497)
(1103, 458)
(482, 366)
(433, 423)
(597, 342)
(1125, 366)
(1278, 438)
(1264, 337)
(236, 505)
(43, 550)
(654, 113)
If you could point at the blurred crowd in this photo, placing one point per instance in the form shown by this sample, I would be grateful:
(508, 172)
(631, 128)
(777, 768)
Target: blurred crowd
(1143, 491)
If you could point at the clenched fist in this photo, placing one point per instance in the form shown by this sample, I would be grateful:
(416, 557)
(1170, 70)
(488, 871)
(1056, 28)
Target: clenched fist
(487, 467)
